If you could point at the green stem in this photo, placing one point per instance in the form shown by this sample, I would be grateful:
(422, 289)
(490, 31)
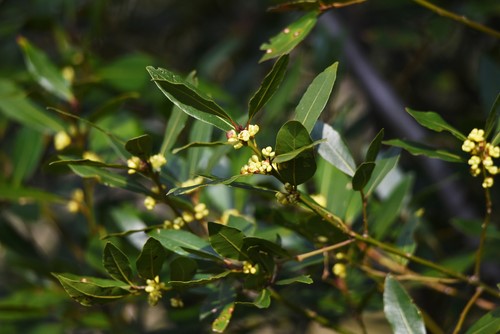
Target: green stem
(459, 18)
(365, 214)
(486, 222)
(466, 310)
(304, 256)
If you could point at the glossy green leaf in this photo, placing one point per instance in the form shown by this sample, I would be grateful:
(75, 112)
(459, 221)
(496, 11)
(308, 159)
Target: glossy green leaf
(334, 150)
(399, 309)
(16, 106)
(182, 269)
(117, 263)
(488, 324)
(242, 223)
(362, 175)
(263, 300)
(374, 147)
(293, 154)
(305, 279)
(421, 149)
(265, 246)
(198, 144)
(141, 146)
(387, 161)
(229, 181)
(220, 324)
(227, 241)
(151, 259)
(285, 41)
(175, 125)
(90, 291)
(27, 153)
(492, 122)
(290, 137)
(268, 87)
(209, 279)
(316, 97)
(435, 122)
(45, 72)
(178, 240)
(189, 99)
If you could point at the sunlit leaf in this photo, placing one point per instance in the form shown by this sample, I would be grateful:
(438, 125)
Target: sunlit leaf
(179, 240)
(421, 149)
(45, 72)
(488, 324)
(290, 37)
(116, 263)
(387, 161)
(316, 97)
(290, 137)
(402, 313)
(220, 324)
(435, 122)
(190, 99)
(151, 259)
(227, 241)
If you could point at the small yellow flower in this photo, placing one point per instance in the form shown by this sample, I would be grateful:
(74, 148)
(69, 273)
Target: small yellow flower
(482, 157)
(200, 211)
(252, 130)
(176, 302)
(488, 182)
(61, 140)
(134, 164)
(153, 288)
(268, 152)
(476, 135)
(178, 223)
(149, 203)
(248, 268)
(157, 161)
(76, 201)
(339, 270)
(187, 217)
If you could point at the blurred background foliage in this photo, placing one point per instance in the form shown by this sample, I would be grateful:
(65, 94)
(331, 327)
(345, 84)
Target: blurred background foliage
(429, 62)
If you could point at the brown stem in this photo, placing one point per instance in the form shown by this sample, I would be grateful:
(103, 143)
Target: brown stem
(466, 310)
(484, 226)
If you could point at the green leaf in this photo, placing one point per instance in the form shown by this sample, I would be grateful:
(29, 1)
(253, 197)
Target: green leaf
(127, 72)
(241, 223)
(179, 240)
(265, 246)
(263, 300)
(293, 154)
(227, 241)
(199, 144)
(90, 291)
(182, 269)
(220, 324)
(388, 160)
(44, 71)
(117, 263)
(421, 149)
(84, 162)
(316, 97)
(175, 124)
(209, 279)
(334, 150)
(290, 137)
(230, 181)
(15, 105)
(306, 279)
(151, 259)
(7, 192)
(435, 122)
(141, 146)
(402, 313)
(493, 117)
(268, 87)
(488, 324)
(374, 147)
(26, 155)
(189, 99)
(289, 37)
(362, 175)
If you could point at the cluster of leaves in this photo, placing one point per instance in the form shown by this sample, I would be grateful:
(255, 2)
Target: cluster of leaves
(340, 212)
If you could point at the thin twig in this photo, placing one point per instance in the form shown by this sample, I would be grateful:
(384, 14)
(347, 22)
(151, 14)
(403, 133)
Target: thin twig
(304, 256)
(484, 227)
(466, 310)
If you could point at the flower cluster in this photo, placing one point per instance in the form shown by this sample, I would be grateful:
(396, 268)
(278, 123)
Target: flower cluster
(61, 140)
(157, 161)
(154, 287)
(241, 138)
(176, 302)
(257, 166)
(249, 268)
(290, 197)
(136, 164)
(482, 156)
(177, 224)
(339, 268)
(149, 203)
(75, 203)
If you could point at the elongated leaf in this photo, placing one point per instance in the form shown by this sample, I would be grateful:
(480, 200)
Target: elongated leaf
(362, 175)
(492, 122)
(179, 240)
(227, 241)
(289, 37)
(44, 71)
(315, 98)
(199, 144)
(7, 192)
(374, 147)
(242, 223)
(200, 281)
(28, 149)
(263, 300)
(222, 321)
(435, 122)
(182, 269)
(151, 259)
(388, 160)
(292, 136)
(334, 150)
(306, 279)
(268, 87)
(90, 291)
(421, 149)
(116, 263)
(293, 154)
(488, 324)
(175, 124)
(141, 146)
(230, 181)
(400, 310)
(189, 99)
(15, 105)
(84, 162)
